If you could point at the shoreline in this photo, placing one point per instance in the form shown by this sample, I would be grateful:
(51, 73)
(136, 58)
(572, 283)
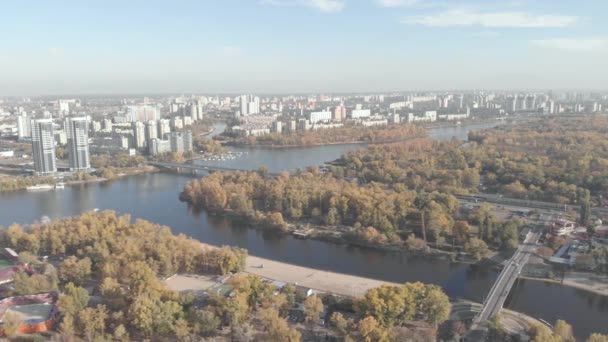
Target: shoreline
(590, 282)
(316, 279)
(360, 142)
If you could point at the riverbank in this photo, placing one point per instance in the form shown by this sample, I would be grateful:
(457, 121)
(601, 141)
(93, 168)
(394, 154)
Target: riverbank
(589, 282)
(325, 281)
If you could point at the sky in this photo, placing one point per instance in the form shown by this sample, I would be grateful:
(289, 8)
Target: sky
(300, 46)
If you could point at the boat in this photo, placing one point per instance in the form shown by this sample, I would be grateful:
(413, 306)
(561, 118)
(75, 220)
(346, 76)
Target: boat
(40, 187)
(60, 186)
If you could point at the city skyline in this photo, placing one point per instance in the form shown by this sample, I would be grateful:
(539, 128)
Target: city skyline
(301, 46)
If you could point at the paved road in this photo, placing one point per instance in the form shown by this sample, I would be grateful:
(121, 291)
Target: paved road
(498, 199)
(498, 294)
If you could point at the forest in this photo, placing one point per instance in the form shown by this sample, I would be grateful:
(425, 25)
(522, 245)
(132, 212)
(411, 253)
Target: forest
(124, 261)
(555, 160)
(109, 275)
(373, 213)
(345, 134)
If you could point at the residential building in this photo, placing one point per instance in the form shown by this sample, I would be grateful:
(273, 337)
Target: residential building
(139, 135)
(24, 126)
(151, 131)
(315, 117)
(164, 127)
(360, 113)
(142, 113)
(159, 146)
(181, 142)
(43, 147)
(78, 143)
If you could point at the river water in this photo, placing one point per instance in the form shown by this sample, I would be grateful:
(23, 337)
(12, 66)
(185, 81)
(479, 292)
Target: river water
(154, 197)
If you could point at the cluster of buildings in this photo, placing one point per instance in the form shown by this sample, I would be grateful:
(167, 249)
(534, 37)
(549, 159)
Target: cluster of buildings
(43, 145)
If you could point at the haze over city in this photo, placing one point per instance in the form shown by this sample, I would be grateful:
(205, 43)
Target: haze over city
(286, 46)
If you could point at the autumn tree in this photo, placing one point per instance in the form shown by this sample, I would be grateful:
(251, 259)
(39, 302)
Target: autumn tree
(313, 306)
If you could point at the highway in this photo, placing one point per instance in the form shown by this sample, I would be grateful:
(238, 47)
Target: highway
(500, 290)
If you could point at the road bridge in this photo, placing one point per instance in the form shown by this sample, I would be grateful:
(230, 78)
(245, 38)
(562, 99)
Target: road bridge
(195, 167)
(506, 279)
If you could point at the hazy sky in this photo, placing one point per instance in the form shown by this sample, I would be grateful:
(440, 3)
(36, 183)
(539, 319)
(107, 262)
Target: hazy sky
(213, 46)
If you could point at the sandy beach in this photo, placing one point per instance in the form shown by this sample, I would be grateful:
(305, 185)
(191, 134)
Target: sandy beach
(332, 282)
(587, 281)
(338, 283)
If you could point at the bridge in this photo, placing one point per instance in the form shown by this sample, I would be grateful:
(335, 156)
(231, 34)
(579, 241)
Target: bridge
(194, 167)
(506, 279)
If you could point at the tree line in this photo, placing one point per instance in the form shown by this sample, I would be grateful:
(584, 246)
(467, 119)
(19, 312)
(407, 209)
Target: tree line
(344, 134)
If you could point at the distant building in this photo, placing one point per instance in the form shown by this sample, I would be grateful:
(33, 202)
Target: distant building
(428, 116)
(277, 127)
(164, 127)
(107, 125)
(249, 105)
(142, 113)
(339, 113)
(139, 135)
(394, 118)
(315, 117)
(360, 113)
(78, 143)
(181, 142)
(43, 147)
(151, 130)
(177, 123)
(303, 125)
(291, 126)
(24, 126)
(159, 146)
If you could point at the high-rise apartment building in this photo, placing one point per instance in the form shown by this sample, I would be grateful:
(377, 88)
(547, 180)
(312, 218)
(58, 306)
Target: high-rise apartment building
(164, 127)
(78, 143)
(24, 126)
(249, 105)
(181, 141)
(151, 131)
(43, 147)
(139, 135)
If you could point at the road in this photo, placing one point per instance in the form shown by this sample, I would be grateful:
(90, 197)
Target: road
(498, 294)
(522, 203)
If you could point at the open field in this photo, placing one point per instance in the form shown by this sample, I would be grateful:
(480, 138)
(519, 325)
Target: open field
(194, 283)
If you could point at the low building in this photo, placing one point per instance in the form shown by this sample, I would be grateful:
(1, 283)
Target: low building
(315, 117)
(563, 227)
(360, 113)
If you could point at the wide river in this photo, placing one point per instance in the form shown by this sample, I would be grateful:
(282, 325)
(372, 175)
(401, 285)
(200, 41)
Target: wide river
(154, 197)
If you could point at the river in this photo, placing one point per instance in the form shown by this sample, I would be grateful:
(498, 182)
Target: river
(154, 197)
